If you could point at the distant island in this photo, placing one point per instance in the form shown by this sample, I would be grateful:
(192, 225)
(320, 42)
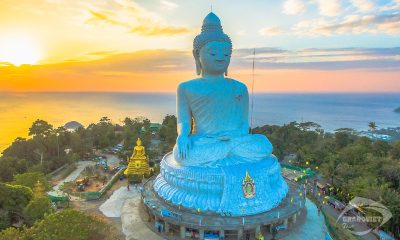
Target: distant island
(72, 125)
(397, 110)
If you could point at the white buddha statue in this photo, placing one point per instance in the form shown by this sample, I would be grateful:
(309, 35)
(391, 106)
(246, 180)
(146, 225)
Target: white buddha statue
(213, 126)
(216, 165)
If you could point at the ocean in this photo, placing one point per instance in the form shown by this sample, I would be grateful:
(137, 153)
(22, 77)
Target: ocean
(331, 111)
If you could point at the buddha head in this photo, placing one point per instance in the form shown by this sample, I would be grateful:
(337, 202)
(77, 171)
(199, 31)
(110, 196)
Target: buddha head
(139, 142)
(212, 48)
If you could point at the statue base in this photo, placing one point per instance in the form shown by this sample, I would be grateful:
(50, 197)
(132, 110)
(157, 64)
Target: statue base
(236, 190)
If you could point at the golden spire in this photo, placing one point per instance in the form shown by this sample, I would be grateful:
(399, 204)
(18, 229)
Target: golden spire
(247, 178)
(38, 190)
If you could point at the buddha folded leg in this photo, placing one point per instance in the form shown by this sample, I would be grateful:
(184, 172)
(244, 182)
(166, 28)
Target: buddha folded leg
(252, 146)
(208, 150)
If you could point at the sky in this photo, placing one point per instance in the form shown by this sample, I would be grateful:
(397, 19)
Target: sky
(145, 45)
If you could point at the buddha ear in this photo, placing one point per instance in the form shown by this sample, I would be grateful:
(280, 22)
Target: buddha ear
(198, 67)
(197, 60)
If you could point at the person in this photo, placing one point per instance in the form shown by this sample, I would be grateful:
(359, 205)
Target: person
(213, 126)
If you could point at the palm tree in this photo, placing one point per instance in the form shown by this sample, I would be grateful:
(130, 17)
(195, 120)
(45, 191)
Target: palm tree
(372, 126)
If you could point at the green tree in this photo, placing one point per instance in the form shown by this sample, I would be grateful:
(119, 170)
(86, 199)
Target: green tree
(44, 149)
(80, 143)
(65, 225)
(395, 151)
(103, 133)
(30, 179)
(40, 128)
(306, 126)
(21, 148)
(389, 169)
(13, 199)
(135, 128)
(39, 206)
(391, 199)
(342, 139)
(381, 148)
(5, 219)
(330, 168)
(168, 132)
(9, 166)
(372, 126)
(71, 224)
(14, 234)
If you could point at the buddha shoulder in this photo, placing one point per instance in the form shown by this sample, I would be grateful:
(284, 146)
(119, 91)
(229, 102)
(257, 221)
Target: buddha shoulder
(241, 87)
(198, 85)
(189, 85)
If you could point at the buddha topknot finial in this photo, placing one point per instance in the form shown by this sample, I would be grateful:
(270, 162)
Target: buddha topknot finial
(211, 31)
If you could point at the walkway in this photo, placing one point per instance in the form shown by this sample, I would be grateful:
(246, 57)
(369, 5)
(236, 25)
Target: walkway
(132, 225)
(312, 228)
(113, 206)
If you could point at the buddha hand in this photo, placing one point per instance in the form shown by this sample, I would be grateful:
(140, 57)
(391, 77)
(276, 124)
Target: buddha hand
(184, 145)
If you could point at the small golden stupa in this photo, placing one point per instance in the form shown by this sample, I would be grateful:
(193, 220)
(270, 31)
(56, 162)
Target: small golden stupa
(138, 163)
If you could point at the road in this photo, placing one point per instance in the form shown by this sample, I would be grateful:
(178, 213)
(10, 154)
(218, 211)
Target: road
(358, 227)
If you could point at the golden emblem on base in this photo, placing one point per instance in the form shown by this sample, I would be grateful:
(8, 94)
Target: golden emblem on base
(248, 186)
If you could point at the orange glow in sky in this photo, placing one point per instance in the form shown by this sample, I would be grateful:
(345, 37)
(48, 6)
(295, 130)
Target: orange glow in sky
(145, 46)
(19, 49)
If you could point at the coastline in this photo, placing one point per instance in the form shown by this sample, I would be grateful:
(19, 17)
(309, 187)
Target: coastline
(330, 110)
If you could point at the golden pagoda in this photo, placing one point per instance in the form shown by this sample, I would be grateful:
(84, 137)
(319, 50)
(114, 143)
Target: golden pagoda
(138, 163)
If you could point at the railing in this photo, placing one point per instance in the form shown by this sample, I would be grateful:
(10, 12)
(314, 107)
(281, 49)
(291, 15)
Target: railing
(308, 173)
(58, 170)
(155, 204)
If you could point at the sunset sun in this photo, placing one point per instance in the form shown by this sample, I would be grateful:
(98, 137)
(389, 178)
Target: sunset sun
(18, 50)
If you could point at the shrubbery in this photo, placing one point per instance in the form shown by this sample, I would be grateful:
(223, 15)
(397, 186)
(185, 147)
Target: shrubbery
(65, 225)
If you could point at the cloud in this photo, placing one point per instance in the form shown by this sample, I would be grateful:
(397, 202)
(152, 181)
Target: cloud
(321, 59)
(159, 30)
(388, 23)
(6, 64)
(241, 33)
(293, 7)
(169, 5)
(105, 17)
(102, 53)
(248, 52)
(162, 70)
(129, 15)
(363, 5)
(141, 61)
(164, 61)
(329, 8)
(271, 31)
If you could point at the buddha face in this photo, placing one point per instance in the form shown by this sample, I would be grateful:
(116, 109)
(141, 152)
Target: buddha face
(215, 57)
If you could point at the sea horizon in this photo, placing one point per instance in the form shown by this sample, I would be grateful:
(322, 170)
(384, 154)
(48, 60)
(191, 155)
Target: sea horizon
(330, 110)
(166, 92)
